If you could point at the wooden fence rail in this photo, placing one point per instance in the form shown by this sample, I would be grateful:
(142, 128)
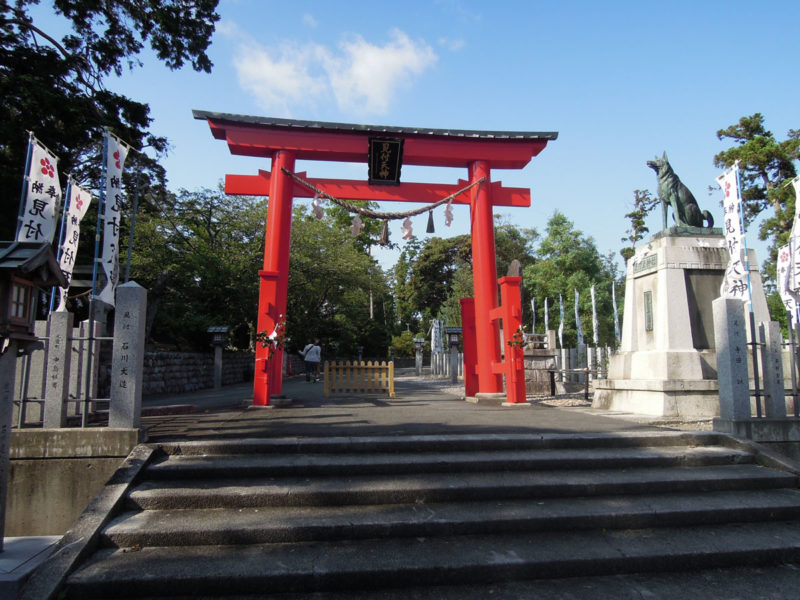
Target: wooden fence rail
(364, 377)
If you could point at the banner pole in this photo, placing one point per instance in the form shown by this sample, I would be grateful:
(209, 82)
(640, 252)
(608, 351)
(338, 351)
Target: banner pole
(134, 210)
(64, 211)
(101, 205)
(753, 339)
(25, 179)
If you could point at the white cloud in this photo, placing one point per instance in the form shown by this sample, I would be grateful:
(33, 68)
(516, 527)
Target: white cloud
(365, 77)
(279, 80)
(362, 77)
(452, 45)
(308, 19)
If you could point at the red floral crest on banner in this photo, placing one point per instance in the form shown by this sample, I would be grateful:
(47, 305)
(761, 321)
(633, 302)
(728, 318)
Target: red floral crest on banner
(47, 168)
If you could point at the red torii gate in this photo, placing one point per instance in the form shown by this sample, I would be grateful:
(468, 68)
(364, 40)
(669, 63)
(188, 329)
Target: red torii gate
(287, 140)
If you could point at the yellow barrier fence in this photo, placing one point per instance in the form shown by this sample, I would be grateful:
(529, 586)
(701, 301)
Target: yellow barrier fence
(359, 377)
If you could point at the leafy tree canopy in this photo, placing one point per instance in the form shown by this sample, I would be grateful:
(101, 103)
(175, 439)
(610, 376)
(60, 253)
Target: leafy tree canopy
(765, 165)
(643, 204)
(199, 257)
(567, 260)
(337, 292)
(56, 87)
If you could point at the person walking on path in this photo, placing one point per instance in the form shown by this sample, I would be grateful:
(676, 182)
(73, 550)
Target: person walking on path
(312, 354)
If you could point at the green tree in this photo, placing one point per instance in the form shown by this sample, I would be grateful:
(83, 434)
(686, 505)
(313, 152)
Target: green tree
(643, 204)
(342, 218)
(403, 344)
(438, 273)
(330, 278)
(512, 243)
(567, 260)
(56, 87)
(400, 275)
(199, 258)
(461, 287)
(432, 272)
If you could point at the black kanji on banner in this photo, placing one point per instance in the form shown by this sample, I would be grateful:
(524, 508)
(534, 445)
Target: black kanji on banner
(385, 160)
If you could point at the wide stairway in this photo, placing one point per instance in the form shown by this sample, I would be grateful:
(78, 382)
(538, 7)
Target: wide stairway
(642, 515)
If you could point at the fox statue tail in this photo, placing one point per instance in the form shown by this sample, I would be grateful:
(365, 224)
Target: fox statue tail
(708, 218)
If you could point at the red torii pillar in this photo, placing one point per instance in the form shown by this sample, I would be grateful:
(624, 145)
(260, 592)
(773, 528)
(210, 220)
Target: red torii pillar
(273, 293)
(484, 277)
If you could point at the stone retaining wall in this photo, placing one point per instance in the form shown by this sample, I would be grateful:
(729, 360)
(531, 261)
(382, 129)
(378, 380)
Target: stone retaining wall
(178, 372)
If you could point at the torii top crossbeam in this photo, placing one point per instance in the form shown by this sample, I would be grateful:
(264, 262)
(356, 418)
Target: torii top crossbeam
(385, 149)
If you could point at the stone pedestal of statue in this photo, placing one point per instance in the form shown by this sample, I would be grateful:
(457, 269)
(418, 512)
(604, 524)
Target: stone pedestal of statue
(666, 364)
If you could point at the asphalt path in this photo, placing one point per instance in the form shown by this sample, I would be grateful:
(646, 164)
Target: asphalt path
(423, 405)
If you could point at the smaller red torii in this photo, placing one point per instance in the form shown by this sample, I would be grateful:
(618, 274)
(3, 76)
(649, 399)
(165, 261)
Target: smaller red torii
(285, 140)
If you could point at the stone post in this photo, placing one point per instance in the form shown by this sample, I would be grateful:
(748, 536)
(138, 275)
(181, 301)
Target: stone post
(730, 338)
(59, 353)
(217, 366)
(453, 368)
(419, 347)
(573, 365)
(551, 341)
(8, 365)
(772, 359)
(128, 356)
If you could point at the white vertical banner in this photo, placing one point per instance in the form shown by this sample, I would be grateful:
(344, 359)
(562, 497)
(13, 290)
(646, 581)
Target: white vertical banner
(43, 197)
(595, 335)
(533, 315)
(578, 323)
(561, 322)
(735, 283)
(793, 281)
(546, 316)
(616, 311)
(116, 152)
(784, 268)
(77, 205)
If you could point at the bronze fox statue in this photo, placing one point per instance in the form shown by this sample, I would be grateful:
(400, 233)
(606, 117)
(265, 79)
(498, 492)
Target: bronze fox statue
(674, 193)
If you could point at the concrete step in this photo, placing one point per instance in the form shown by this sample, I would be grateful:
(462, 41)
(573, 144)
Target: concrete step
(340, 464)
(419, 488)
(779, 582)
(443, 442)
(270, 524)
(447, 560)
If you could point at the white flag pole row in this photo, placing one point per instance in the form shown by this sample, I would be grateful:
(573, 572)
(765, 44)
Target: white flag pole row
(40, 201)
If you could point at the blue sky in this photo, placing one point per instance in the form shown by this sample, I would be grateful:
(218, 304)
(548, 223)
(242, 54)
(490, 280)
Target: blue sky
(620, 81)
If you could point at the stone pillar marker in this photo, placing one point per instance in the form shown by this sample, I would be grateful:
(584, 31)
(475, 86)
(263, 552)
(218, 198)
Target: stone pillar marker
(419, 347)
(128, 356)
(8, 363)
(771, 358)
(219, 336)
(59, 351)
(730, 337)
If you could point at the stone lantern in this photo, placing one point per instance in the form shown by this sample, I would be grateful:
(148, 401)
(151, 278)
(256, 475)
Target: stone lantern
(25, 267)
